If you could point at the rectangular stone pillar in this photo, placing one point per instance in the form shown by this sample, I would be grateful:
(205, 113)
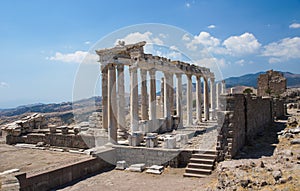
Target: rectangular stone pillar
(206, 100)
(144, 96)
(212, 98)
(218, 93)
(179, 100)
(189, 99)
(104, 71)
(198, 99)
(121, 99)
(134, 118)
(171, 94)
(112, 106)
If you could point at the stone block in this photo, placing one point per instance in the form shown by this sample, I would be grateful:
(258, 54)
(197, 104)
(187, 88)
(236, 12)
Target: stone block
(121, 165)
(137, 167)
(135, 138)
(155, 169)
(170, 143)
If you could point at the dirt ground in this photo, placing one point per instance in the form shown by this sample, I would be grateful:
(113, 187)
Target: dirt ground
(115, 180)
(33, 160)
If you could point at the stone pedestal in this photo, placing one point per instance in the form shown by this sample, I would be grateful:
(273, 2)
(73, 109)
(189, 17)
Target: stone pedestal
(135, 139)
(151, 140)
(121, 165)
(170, 143)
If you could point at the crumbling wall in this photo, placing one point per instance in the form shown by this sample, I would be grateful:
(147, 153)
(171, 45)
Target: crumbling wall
(271, 83)
(240, 121)
(279, 109)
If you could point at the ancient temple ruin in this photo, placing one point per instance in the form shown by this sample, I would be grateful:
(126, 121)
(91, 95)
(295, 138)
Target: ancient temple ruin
(114, 60)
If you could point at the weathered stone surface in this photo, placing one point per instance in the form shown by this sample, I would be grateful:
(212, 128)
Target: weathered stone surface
(121, 165)
(295, 141)
(155, 169)
(137, 167)
(277, 174)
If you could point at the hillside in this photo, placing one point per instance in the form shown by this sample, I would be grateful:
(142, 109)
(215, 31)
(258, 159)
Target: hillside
(293, 80)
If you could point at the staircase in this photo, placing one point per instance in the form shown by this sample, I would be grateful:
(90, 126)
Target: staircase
(201, 164)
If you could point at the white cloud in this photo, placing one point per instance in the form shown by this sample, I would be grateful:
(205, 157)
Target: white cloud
(240, 62)
(186, 37)
(87, 42)
(76, 57)
(138, 37)
(204, 38)
(211, 26)
(188, 5)
(283, 50)
(242, 45)
(212, 63)
(294, 26)
(3, 85)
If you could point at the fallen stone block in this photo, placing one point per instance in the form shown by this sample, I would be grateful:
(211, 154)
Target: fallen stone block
(295, 141)
(155, 169)
(137, 167)
(121, 165)
(170, 143)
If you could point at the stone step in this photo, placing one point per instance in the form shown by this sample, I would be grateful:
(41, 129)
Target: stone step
(210, 152)
(200, 166)
(198, 171)
(194, 175)
(204, 156)
(202, 161)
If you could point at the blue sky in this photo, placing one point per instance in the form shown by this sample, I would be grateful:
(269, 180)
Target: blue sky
(42, 41)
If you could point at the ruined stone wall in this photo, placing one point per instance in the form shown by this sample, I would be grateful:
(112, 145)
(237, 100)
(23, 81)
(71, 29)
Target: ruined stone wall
(279, 109)
(53, 178)
(149, 156)
(258, 116)
(272, 81)
(242, 119)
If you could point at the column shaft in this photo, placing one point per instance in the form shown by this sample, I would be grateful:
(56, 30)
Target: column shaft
(144, 96)
(134, 100)
(179, 100)
(112, 110)
(152, 96)
(212, 97)
(104, 97)
(167, 112)
(121, 98)
(198, 99)
(206, 100)
(189, 105)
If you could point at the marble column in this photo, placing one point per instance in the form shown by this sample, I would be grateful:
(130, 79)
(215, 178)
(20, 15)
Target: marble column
(152, 95)
(152, 100)
(112, 110)
(162, 92)
(218, 93)
(171, 94)
(134, 108)
(121, 99)
(144, 95)
(213, 98)
(167, 101)
(179, 99)
(198, 99)
(223, 87)
(206, 100)
(189, 99)
(104, 97)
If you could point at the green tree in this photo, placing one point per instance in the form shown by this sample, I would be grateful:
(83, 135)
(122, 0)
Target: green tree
(248, 91)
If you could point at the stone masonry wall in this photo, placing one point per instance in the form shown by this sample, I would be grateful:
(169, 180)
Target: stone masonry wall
(240, 121)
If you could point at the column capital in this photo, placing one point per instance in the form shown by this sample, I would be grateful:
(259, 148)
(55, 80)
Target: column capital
(152, 71)
(189, 76)
(198, 77)
(132, 68)
(178, 75)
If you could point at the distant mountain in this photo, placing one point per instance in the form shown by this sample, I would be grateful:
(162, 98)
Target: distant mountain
(293, 80)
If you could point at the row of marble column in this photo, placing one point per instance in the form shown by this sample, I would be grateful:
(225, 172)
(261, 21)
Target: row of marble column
(113, 102)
